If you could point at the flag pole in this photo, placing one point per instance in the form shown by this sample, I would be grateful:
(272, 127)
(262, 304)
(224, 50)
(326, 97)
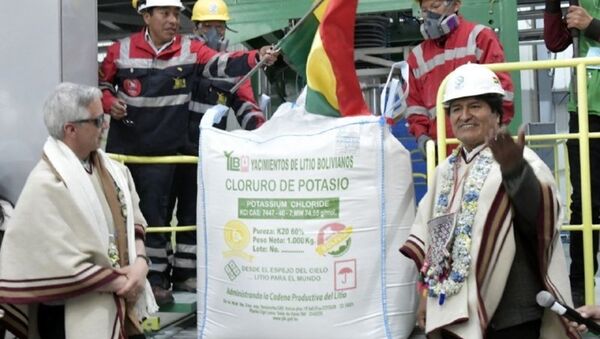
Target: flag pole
(276, 47)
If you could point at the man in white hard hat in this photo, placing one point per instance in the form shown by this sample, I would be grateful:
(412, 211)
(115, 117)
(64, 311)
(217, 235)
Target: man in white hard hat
(146, 81)
(450, 41)
(486, 237)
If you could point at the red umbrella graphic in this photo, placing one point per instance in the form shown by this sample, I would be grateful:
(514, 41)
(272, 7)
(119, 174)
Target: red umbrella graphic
(345, 271)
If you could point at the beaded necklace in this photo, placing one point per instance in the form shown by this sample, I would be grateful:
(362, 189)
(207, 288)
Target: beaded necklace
(446, 277)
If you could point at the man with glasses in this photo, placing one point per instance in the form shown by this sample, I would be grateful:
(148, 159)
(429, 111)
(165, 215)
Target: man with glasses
(146, 81)
(450, 41)
(75, 241)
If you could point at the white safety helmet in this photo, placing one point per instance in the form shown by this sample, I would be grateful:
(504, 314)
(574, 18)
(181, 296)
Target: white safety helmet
(142, 5)
(471, 80)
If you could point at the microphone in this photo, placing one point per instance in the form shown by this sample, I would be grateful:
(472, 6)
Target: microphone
(546, 300)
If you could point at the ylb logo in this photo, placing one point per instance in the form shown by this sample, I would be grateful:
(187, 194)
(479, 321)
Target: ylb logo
(238, 164)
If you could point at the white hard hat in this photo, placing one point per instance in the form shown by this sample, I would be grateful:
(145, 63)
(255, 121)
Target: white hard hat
(471, 80)
(141, 5)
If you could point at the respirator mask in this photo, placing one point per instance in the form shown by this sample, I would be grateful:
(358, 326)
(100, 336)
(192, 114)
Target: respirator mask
(437, 25)
(213, 39)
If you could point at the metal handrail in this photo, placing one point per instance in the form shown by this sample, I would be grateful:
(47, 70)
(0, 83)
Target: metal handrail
(169, 159)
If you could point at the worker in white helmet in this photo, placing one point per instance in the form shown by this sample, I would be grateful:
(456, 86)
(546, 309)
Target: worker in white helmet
(146, 81)
(486, 237)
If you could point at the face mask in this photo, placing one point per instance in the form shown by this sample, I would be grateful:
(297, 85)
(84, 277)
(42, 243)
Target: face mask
(435, 25)
(213, 40)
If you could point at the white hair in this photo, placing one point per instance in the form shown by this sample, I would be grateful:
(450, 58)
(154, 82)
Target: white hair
(68, 102)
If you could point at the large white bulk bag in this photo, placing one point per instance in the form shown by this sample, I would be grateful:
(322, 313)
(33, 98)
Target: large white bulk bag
(299, 225)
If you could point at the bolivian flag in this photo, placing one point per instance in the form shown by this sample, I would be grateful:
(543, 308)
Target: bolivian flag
(333, 87)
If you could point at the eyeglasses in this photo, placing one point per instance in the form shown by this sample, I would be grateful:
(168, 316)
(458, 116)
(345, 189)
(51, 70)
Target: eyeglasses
(98, 121)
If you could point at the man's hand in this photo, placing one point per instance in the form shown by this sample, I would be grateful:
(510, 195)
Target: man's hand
(507, 152)
(118, 109)
(422, 144)
(579, 18)
(114, 285)
(136, 279)
(587, 311)
(268, 54)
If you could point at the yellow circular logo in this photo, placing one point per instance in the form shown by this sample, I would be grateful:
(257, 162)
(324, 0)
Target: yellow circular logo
(237, 238)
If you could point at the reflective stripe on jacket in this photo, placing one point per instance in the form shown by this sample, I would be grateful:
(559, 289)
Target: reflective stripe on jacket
(156, 89)
(432, 60)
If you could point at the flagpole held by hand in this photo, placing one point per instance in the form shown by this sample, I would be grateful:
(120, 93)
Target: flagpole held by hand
(276, 48)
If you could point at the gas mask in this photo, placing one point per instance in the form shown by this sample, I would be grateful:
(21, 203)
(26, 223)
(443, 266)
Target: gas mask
(436, 25)
(213, 40)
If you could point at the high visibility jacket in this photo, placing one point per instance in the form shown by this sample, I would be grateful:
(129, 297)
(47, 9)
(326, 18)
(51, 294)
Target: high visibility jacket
(207, 92)
(156, 89)
(432, 60)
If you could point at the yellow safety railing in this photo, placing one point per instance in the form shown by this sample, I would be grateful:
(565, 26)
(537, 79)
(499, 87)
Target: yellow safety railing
(170, 159)
(567, 169)
(584, 146)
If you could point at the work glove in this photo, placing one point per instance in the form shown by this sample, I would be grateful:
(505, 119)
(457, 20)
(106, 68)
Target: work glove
(421, 142)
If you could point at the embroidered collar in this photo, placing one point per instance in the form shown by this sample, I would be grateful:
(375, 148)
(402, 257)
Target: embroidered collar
(446, 278)
(469, 156)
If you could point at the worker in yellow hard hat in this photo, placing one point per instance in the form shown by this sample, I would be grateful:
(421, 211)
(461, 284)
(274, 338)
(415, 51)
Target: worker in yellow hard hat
(210, 18)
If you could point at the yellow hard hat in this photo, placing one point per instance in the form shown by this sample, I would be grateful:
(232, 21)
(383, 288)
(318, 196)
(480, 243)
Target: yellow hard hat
(210, 10)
